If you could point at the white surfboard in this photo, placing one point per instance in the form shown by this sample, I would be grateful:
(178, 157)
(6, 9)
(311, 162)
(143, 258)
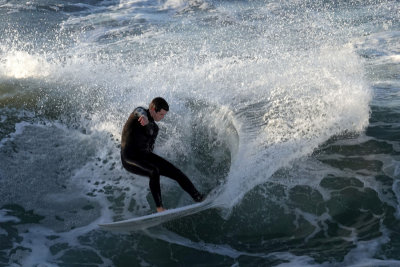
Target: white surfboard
(143, 222)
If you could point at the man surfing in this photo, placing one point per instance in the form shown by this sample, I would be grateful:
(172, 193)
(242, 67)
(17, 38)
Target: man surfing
(137, 143)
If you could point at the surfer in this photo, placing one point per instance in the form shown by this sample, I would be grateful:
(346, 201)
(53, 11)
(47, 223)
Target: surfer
(137, 143)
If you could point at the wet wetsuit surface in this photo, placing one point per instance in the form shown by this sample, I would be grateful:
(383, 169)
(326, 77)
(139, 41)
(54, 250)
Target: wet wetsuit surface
(137, 144)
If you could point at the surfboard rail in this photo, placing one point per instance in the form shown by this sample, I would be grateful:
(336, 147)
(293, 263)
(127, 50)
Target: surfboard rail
(154, 219)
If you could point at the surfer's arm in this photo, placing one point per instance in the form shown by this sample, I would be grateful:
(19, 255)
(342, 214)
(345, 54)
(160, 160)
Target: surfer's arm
(143, 120)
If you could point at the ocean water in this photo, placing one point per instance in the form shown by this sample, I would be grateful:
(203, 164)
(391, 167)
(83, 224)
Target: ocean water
(289, 110)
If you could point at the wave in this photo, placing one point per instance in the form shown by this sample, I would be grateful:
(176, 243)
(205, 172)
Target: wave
(269, 101)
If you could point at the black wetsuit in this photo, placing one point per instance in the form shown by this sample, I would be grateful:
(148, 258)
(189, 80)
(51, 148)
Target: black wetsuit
(137, 156)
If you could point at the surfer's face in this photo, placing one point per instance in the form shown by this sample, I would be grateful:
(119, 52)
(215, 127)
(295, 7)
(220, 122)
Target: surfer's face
(157, 116)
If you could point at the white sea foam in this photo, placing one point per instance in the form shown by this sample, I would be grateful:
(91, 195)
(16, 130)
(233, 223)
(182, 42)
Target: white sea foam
(21, 65)
(6, 218)
(19, 128)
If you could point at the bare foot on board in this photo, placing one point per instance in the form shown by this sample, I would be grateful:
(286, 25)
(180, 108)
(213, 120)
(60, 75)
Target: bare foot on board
(160, 209)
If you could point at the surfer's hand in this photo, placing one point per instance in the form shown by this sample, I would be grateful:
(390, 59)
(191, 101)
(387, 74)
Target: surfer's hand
(143, 120)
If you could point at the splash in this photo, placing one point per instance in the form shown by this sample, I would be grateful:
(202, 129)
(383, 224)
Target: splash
(22, 65)
(311, 99)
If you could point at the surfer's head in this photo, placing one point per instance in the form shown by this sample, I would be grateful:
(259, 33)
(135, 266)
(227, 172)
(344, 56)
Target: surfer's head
(158, 108)
(159, 103)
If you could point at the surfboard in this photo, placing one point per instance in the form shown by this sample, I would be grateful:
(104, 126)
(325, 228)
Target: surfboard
(151, 220)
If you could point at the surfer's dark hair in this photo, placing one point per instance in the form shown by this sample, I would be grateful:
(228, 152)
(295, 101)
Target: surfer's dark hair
(159, 103)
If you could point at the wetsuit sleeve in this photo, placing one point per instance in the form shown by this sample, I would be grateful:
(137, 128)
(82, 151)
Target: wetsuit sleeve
(153, 133)
(138, 112)
(151, 128)
(137, 138)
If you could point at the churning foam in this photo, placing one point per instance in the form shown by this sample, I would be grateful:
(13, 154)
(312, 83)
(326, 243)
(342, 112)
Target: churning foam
(21, 65)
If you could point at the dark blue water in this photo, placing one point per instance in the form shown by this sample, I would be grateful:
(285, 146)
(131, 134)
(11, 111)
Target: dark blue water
(290, 110)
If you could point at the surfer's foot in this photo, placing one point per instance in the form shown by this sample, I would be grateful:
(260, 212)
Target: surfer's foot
(160, 209)
(199, 197)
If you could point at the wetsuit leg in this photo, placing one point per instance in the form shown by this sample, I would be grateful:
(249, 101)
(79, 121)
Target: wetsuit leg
(145, 168)
(153, 166)
(169, 170)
